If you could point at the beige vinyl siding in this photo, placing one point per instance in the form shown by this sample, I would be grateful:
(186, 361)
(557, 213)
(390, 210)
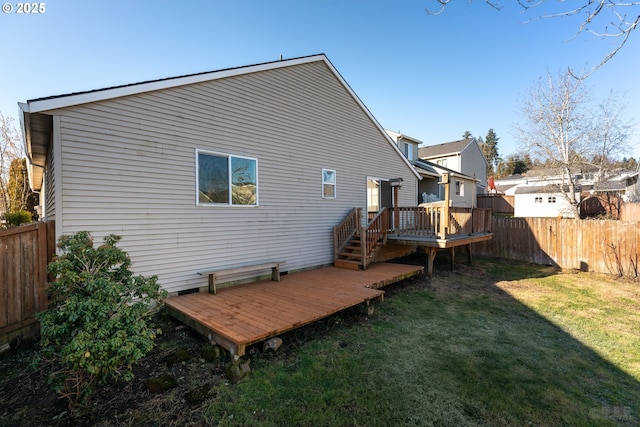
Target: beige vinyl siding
(128, 167)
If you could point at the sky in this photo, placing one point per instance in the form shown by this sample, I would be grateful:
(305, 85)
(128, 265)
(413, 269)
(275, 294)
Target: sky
(428, 77)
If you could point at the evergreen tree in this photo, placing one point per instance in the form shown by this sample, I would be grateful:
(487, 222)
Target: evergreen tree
(490, 150)
(467, 135)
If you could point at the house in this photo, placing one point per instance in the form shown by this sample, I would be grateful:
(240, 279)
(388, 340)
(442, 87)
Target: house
(463, 156)
(216, 169)
(541, 201)
(462, 192)
(606, 197)
(407, 144)
(462, 188)
(537, 192)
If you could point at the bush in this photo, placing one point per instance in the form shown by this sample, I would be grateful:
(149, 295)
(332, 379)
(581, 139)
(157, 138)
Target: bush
(97, 324)
(17, 218)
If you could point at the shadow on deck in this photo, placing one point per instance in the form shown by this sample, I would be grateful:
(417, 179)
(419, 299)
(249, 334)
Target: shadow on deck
(242, 315)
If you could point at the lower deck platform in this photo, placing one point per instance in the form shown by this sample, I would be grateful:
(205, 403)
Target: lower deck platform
(242, 315)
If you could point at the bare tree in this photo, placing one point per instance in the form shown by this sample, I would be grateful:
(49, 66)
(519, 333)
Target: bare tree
(610, 134)
(601, 18)
(558, 129)
(10, 149)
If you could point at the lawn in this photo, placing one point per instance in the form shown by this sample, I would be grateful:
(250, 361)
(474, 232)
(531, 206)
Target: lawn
(493, 344)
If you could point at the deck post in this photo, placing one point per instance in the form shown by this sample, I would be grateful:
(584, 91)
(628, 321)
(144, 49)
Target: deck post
(431, 255)
(469, 249)
(452, 251)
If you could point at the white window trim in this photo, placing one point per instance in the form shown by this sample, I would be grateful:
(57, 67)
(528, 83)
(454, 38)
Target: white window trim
(230, 174)
(335, 185)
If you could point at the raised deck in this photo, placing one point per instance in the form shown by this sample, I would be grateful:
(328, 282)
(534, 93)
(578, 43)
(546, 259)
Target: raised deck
(242, 315)
(432, 227)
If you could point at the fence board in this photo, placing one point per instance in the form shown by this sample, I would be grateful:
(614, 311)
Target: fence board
(566, 243)
(24, 254)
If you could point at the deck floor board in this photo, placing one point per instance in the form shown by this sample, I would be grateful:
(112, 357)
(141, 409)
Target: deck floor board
(241, 315)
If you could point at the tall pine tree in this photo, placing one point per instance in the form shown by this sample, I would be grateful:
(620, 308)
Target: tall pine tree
(490, 150)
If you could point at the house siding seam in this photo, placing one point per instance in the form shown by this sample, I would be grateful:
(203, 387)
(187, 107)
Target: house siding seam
(128, 168)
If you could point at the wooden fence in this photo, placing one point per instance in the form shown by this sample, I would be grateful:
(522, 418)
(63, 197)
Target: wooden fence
(24, 254)
(603, 246)
(499, 204)
(630, 212)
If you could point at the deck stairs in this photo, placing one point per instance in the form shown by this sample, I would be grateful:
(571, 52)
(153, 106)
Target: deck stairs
(356, 247)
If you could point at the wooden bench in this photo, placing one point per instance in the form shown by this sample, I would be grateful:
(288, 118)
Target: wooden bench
(215, 274)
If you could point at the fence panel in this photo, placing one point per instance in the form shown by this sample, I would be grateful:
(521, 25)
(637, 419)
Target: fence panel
(500, 204)
(24, 254)
(603, 246)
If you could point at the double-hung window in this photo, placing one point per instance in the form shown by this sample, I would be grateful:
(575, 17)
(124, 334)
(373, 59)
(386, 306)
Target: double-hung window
(328, 184)
(224, 179)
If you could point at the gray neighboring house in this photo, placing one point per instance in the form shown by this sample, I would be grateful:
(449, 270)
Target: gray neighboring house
(463, 156)
(217, 169)
(462, 189)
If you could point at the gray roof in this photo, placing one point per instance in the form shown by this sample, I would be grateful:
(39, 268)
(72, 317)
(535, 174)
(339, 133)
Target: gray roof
(540, 189)
(432, 169)
(448, 148)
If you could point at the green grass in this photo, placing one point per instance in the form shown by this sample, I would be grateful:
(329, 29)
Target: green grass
(493, 344)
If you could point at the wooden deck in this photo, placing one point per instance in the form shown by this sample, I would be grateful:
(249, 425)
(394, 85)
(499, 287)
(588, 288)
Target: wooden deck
(242, 315)
(431, 244)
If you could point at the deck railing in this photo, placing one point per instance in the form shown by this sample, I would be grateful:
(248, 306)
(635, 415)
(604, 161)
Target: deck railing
(345, 231)
(373, 235)
(433, 221)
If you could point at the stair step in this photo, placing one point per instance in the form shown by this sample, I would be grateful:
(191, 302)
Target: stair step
(346, 264)
(350, 255)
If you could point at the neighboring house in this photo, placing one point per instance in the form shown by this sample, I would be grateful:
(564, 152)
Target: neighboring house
(537, 192)
(540, 201)
(623, 184)
(508, 184)
(216, 169)
(607, 197)
(462, 188)
(463, 156)
(408, 145)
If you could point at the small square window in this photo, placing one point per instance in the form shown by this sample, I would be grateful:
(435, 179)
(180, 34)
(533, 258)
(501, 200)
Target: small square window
(538, 199)
(328, 184)
(552, 199)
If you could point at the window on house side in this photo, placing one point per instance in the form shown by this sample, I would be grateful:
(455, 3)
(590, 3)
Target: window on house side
(226, 180)
(408, 152)
(552, 199)
(459, 188)
(328, 184)
(538, 199)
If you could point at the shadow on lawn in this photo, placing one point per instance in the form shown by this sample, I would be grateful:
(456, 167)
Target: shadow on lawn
(507, 359)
